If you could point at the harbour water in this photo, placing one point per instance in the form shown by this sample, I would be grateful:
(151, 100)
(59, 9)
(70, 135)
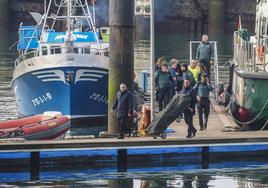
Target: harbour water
(154, 171)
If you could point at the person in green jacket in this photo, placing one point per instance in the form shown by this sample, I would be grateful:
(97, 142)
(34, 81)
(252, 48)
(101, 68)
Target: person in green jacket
(205, 53)
(163, 84)
(203, 89)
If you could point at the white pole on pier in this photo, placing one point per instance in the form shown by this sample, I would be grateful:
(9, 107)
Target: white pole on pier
(152, 46)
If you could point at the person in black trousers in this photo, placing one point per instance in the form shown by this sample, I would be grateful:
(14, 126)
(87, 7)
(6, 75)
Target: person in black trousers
(124, 108)
(203, 89)
(190, 111)
(163, 83)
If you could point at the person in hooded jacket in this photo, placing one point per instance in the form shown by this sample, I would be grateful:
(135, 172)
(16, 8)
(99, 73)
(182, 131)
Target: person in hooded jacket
(190, 110)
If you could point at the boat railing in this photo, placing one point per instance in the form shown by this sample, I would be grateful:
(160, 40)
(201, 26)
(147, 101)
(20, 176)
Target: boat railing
(46, 51)
(216, 62)
(246, 54)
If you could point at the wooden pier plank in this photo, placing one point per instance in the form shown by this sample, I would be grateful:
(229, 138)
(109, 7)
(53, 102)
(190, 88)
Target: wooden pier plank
(214, 135)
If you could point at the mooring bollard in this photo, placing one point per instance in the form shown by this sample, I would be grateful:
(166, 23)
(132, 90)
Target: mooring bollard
(205, 157)
(144, 81)
(122, 160)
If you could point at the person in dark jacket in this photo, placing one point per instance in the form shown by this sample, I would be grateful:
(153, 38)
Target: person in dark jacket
(203, 90)
(186, 74)
(136, 86)
(123, 106)
(205, 53)
(173, 63)
(179, 78)
(201, 71)
(190, 111)
(163, 84)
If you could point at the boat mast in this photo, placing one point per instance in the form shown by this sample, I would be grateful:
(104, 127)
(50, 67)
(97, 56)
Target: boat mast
(68, 18)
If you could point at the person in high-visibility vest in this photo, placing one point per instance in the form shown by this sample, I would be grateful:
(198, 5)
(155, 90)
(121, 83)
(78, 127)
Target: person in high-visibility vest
(194, 69)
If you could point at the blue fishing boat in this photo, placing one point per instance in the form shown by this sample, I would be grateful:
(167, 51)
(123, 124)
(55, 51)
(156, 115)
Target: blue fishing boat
(65, 69)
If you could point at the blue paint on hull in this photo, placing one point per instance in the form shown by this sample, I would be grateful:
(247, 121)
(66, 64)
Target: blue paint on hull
(74, 91)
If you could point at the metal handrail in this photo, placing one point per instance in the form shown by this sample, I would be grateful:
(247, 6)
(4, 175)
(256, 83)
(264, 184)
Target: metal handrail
(71, 50)
(245, 54)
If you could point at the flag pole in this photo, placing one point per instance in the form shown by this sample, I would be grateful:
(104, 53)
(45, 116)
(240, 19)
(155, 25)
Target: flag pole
(152, 56)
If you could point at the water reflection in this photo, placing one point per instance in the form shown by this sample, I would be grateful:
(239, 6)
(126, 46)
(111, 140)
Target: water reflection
(200, 179)
(99, 168)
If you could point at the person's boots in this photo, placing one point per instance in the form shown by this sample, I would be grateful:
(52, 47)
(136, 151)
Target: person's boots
(194, 132)
(121, 136)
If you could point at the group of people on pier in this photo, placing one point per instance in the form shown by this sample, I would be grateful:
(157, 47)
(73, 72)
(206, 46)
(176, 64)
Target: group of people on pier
(192, 79)
(171, 78)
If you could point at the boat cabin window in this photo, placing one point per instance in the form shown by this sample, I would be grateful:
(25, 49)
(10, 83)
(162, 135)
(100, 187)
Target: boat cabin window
(76, 50)
(55, 50)
(44, 50)
(86, 50)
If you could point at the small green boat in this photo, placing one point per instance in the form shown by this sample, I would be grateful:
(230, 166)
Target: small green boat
(249, 72)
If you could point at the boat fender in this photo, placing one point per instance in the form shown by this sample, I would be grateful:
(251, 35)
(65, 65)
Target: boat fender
(260, 53)
(243, 114)
(52, 113)
(145, 118)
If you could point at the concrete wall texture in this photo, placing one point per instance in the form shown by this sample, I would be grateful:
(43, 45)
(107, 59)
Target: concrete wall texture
(170, 15)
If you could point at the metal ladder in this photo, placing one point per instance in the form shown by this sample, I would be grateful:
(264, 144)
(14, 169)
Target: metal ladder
(216, 63)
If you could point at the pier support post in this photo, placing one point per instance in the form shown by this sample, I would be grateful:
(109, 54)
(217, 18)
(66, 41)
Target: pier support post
(216, 10)
(4, 15)
(35, 165)
(121, 46)
(122, 160)
(205, 158)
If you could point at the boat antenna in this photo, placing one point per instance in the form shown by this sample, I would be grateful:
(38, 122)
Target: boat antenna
(45, 21)
(94, 13)
(45, 6)
(93, 25)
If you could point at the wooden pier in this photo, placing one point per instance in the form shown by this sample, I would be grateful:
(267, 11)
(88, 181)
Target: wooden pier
(220, 131)
(217, 135)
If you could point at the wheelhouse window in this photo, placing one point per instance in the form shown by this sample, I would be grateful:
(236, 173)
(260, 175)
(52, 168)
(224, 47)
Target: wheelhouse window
(44, 50)
(55, 50)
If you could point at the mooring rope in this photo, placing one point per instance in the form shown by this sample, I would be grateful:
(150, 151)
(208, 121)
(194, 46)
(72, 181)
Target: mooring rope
(264, 125)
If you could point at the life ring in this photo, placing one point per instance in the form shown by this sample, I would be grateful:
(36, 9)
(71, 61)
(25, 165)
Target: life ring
(260, 54)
